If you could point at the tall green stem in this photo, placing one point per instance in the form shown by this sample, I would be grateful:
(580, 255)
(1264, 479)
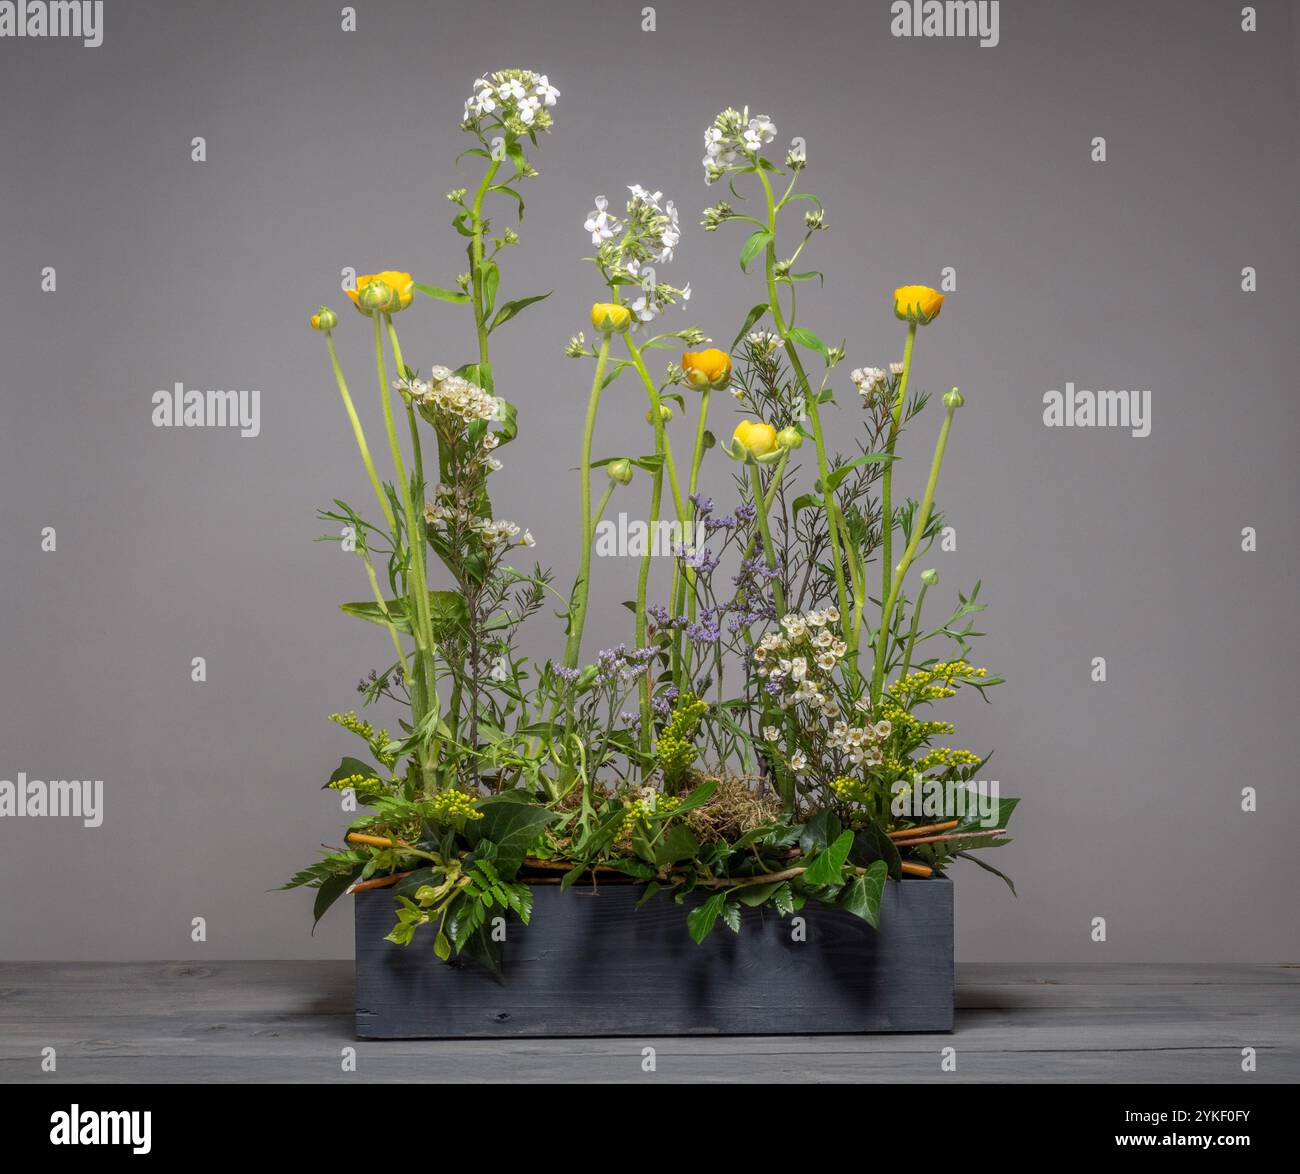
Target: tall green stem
(360, 435)
(887, 477)
(810, 400)
(918, 532)
(643, 580)
(769, 551)
(916, 623)
(573, 646)
(485, 379)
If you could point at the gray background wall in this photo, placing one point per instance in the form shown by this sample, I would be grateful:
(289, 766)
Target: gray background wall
(328, 149)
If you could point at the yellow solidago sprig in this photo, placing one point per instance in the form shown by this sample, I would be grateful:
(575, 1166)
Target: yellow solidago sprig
(644, 806)
(676, 748)
(377, 740)
(939, 680)
(451, 808)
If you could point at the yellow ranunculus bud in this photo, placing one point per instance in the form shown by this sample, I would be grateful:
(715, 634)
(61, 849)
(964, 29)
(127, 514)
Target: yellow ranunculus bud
(665, 414)
(917, 303)
(324, 319)
(930, 577)
(610, 317)
(789, 437)
(385, 292)
(620, 470)
(710, 368)
(953, 399)
(754, 439)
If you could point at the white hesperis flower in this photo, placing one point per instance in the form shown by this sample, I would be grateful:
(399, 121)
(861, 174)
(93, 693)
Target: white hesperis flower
(546, 92)
(760, 131)
(600, 223)
(516, 100)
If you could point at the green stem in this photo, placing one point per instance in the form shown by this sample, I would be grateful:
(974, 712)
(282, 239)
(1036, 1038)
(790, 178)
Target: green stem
(887, 477)
(810, 400)
(485, 379)
(911, 635)
(643, 580)
(769, 551)
(918, 531)
(360, 435)
(573, 645)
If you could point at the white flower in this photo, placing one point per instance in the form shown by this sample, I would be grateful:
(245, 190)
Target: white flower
(545, 91)
(882, 729)
(528, 109)
(867, 379)
(832, 615)
(645, 309)
(600, 223)
(513, 88)
(824, 638)
(771, 733)
(494, 465)
(839, 648)
(639, 193)
(528, 539)
(826, 662)
(798, 668)
(798, 763)
(761, 130)
(895, 368)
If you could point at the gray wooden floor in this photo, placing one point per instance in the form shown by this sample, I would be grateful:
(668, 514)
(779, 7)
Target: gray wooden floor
(290, 1021)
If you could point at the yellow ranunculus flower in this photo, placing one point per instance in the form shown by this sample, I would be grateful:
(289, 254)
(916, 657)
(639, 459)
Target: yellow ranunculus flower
(324, 319)
(917, 303)
(755, 439)
(711, 368)
(609, 317)
(393, 290)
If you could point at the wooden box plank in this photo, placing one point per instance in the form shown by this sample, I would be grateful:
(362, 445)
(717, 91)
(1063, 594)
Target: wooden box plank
(591, 964)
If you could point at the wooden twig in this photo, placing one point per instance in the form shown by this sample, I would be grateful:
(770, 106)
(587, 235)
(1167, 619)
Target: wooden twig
(375, 841)
(924, 829)
(377, 882)
(916, 869)
(952, 836)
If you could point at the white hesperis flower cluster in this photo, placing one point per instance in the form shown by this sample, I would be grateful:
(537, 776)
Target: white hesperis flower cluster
(735, 139)
(628, 248)
(518, 100)
(452, 395)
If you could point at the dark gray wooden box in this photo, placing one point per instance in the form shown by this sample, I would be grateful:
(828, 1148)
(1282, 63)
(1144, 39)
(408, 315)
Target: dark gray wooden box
(591, 964)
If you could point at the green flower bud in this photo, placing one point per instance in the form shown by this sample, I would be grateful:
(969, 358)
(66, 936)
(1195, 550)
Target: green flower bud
(324, 319)
(953, 399)
(789, 437)
(375, 295)
(620, 471)
(665, 414)
(930, 577)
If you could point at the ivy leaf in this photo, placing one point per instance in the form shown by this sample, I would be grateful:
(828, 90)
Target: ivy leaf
(818, 832)
(679, 843)
(443, 295)
(862, 894)
(828, 866)
(757, 242)
(512, 825)
(754, 895)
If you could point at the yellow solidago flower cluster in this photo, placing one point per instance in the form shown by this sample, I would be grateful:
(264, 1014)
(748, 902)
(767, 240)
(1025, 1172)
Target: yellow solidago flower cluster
(646, 806)
(452, 807)
(676, 748)
(376, 739)
(935, 682)
(947, 758)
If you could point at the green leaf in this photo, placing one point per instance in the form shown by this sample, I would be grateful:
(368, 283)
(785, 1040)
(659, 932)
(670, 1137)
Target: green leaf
(806, 338)
(441, 946)
(753, 316)
(353, 766)
(448, 608)
(509, 191)
(512, 825)
(987, 867)
(443, 295)
(757, 242)
(818, 832)
(806, 501)
(827, 868)
(701, 919)
(510, 309)
(836, 476)
(731, 915)
(491, 279)
(697, 798)
(783, 899)
(862, 895)
(678, 843)
(331, 889)
(871, 844)
(753, 895)
(973, 821)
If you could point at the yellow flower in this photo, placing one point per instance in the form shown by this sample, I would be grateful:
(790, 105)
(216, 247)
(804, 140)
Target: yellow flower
(754, 439)
(917, 303)
(386, 292)
(710, 368)
(608, 317)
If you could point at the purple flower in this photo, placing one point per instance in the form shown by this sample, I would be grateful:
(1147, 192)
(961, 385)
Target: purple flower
(703, 505)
